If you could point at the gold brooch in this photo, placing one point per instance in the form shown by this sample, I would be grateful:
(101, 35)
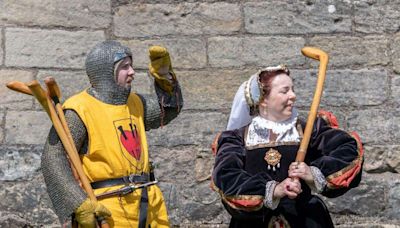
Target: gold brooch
(273, 158)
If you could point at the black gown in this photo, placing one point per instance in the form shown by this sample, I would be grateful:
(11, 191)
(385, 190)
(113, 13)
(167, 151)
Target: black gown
(240, 176)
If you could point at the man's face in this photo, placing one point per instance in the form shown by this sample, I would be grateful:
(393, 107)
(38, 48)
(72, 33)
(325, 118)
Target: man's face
(125, 73)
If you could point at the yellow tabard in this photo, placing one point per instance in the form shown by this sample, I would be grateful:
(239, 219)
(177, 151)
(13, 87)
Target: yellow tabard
(118, 147)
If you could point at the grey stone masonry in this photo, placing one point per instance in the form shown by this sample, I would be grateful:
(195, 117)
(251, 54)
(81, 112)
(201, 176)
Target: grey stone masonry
(211, 90)
(69, 82)
(381, 159)
(376, 16)
(1, 47)
(376, 126)
(49, 48)
(72, 13)
(138, 20)
(258, 50)
(214, 47)
(343, 87)
(185, 53)
(395, 47)
(18, 162)
(2, 115)
(26, 127)
(350, 51)
(11, 99)
(299, 17)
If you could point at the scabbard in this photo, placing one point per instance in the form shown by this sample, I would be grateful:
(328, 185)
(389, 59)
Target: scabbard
(125, 190)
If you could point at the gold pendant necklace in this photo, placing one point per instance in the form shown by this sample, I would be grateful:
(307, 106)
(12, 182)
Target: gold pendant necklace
(273, 158)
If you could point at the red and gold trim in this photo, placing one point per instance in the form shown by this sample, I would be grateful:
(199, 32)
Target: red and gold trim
(241, 202)
(345, 176)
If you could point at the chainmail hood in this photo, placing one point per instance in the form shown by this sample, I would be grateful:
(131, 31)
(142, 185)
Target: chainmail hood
(100, 69)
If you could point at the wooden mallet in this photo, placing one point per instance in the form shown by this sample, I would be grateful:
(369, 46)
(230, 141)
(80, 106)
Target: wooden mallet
(323, 59)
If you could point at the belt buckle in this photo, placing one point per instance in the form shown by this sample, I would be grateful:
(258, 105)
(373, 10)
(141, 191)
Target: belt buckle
(131, 178)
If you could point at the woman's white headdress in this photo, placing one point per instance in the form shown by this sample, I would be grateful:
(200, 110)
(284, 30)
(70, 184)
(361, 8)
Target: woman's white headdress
(247, 98)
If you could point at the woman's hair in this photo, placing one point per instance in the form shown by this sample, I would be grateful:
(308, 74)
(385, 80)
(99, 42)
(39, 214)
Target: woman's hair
(266, 78)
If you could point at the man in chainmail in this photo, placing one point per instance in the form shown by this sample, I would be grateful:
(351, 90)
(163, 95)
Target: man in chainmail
(108, 124)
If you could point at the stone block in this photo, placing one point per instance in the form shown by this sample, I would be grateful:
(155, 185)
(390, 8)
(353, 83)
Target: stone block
(2, 115)
(213, 89)
(302, 17)
(260, 51)
(347, 51)
(376, 126)
(19, 162)
(382, 158)
(396, 89)
(75, 13)
(376, 16)
(392, 211)
(1, 47)
(69, 82)
(11, 99)
(49, 48)
(176, 19)
(27, 127)
(184, 53)
(189, 128)
(368, 199)
(395, 47)
(29, 201)
(343, 87)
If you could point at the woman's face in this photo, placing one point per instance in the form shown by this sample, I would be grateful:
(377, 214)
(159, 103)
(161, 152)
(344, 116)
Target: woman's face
(278, 105)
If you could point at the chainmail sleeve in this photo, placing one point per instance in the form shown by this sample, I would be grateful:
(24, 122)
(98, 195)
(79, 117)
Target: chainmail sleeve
(64, 191)
(161, 108)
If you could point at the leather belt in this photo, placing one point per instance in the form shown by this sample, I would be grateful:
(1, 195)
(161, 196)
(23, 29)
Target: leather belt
(134, 178)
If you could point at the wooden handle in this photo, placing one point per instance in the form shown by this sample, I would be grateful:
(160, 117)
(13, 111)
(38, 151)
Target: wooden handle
(19, 87)
(323, 58)
(52, 87)
(55, 93)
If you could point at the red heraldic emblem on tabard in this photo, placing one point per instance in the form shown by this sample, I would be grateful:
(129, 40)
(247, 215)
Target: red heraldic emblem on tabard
(128, 137)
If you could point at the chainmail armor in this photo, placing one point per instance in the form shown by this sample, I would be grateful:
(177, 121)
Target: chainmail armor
(154, 115)
(64, 191)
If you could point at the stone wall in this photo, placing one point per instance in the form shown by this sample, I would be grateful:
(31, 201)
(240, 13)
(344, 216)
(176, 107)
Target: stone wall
(215, 45)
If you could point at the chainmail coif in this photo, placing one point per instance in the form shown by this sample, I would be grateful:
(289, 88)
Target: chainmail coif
(100, 70)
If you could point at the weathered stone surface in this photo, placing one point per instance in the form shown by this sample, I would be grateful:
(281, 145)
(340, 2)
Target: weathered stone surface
(75, 13)
(211, 89)
(368, 199)
(28, 127)
(69, 82)
(184, 53)
(182, 19)
(343, 87)
(346, 51)
(302, 17)
(395, 47)
(189, 198)
(189, 128)
(29, 201)
(11, 99)
(19, 162)
(396, 89)
(392, 211)
(259, 51)
(2, 115)
(372, 16)
(376, 126)
(49, 48)
(382, 158)
(1, 47)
